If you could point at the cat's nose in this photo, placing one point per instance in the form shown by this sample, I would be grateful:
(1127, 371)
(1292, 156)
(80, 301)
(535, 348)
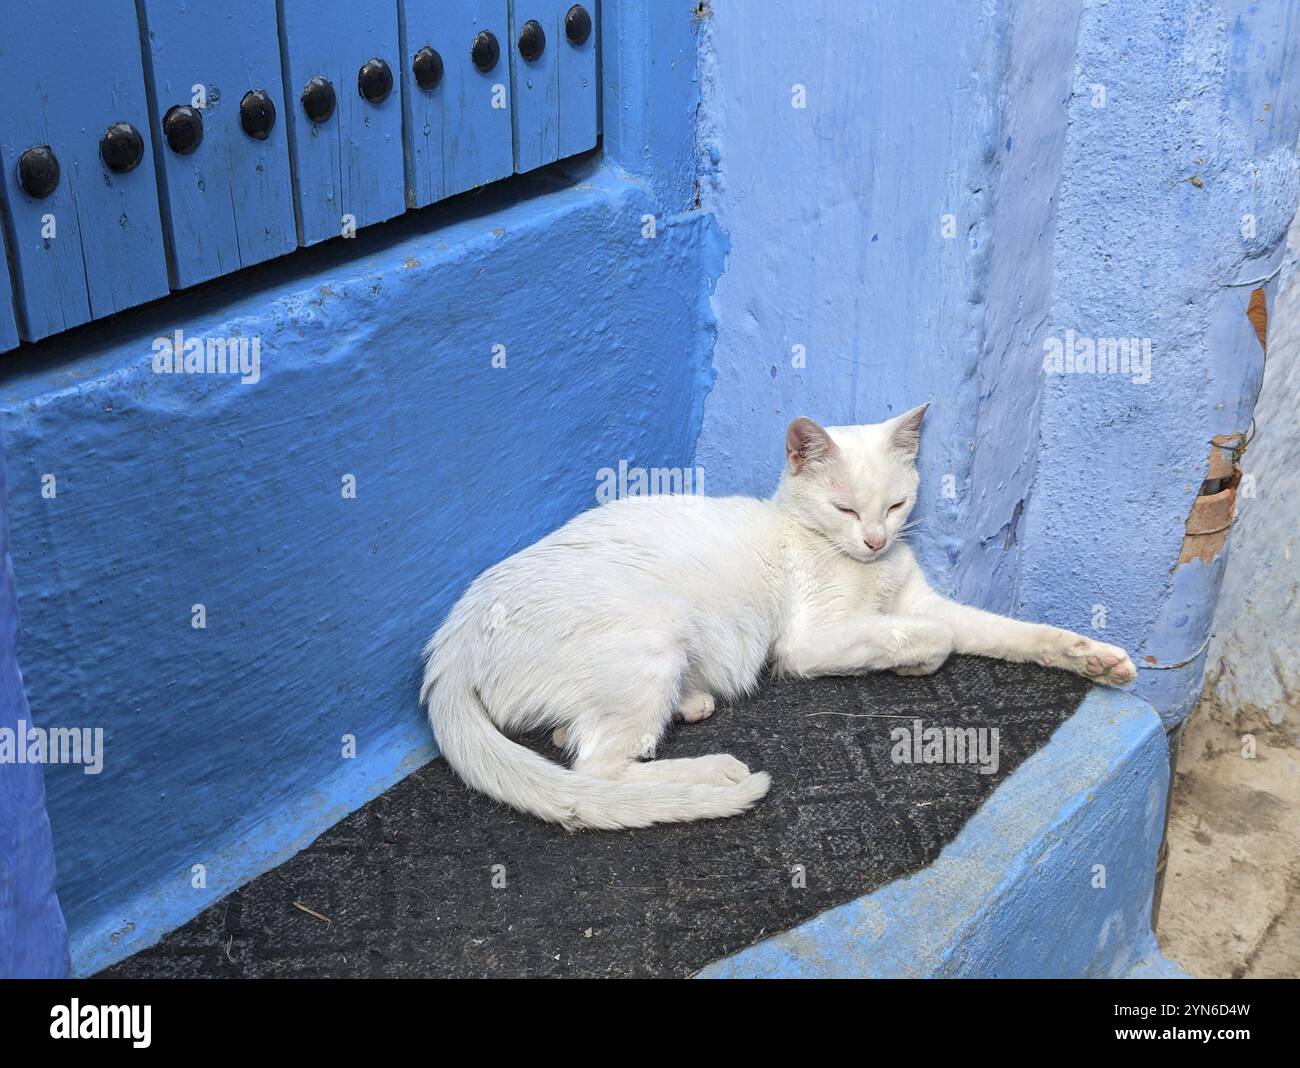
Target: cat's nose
(874, 541)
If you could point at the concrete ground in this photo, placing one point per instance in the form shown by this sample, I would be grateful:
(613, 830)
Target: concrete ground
(1231, 906)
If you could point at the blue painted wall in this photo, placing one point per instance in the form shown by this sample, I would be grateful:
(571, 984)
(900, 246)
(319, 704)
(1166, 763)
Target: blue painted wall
(1063, 152)
(33, 935)
(834, 213)
(224, 745)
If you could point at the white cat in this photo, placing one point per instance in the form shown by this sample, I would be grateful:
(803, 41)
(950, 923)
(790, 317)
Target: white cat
(651, 608)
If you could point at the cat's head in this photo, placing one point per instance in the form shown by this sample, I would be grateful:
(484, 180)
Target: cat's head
(856, 485)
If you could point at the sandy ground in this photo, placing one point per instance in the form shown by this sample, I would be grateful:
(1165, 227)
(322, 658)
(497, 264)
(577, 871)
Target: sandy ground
(1231, 906)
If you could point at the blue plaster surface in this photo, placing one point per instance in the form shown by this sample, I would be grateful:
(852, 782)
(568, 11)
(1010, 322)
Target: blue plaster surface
(1015, 894)
(650, 93)
(223, 745)
(33, 934)
(835, 217)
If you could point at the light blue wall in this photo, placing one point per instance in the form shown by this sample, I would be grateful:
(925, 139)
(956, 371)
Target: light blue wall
(834, 212)
(1071, 491)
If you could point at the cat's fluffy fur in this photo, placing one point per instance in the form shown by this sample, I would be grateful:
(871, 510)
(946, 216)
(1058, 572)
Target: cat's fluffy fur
(649, 609)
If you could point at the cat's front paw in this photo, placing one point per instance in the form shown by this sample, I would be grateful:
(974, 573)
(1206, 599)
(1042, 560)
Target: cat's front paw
(1107, 664)
(926, 648)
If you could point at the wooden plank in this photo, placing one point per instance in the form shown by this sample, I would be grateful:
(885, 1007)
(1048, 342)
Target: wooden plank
(8, 324)
(554, 104)
(535, 83)
(93, 245)
(579, 82)
(458, 134)
(229, 202)
(347, 169)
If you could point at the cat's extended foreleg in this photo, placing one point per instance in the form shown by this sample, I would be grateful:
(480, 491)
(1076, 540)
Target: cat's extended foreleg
(983, 633)
(868, 641)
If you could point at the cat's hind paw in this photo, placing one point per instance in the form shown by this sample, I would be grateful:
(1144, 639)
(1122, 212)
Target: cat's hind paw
(722, 768)
(695, 707)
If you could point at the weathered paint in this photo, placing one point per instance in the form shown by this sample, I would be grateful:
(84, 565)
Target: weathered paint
(33, 935)
(650, 94)
(553, 97)
(1253, 661)
(1052, 877)
(455, 138)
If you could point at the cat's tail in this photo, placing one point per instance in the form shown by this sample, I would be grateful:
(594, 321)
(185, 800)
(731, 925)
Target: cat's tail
(510, 773)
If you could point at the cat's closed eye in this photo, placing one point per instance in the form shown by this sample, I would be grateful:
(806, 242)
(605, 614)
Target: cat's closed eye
(847, 511)
(897, 505)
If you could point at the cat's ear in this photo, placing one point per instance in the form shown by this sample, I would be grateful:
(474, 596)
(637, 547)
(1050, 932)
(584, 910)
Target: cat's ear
(906, 433)
(807, 443)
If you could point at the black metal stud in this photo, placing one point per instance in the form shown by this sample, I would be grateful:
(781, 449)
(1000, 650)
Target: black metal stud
(427, 68)
(38, 171)
(121, 148)
(532, 41)
(257, 114)
(318, 99)
(374, 81)
(183, 128)
(486, 51)
(577, 25)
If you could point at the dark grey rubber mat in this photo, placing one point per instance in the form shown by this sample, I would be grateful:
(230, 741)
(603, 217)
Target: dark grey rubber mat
(433, 880)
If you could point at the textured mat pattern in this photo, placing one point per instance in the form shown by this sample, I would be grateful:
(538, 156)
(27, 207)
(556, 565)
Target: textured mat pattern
(432, 880)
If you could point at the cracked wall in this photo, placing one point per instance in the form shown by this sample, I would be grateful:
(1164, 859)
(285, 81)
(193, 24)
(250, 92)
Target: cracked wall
(1253, 663)
(1118, 172)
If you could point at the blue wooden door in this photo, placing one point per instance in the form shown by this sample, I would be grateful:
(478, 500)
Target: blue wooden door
(149, 145)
